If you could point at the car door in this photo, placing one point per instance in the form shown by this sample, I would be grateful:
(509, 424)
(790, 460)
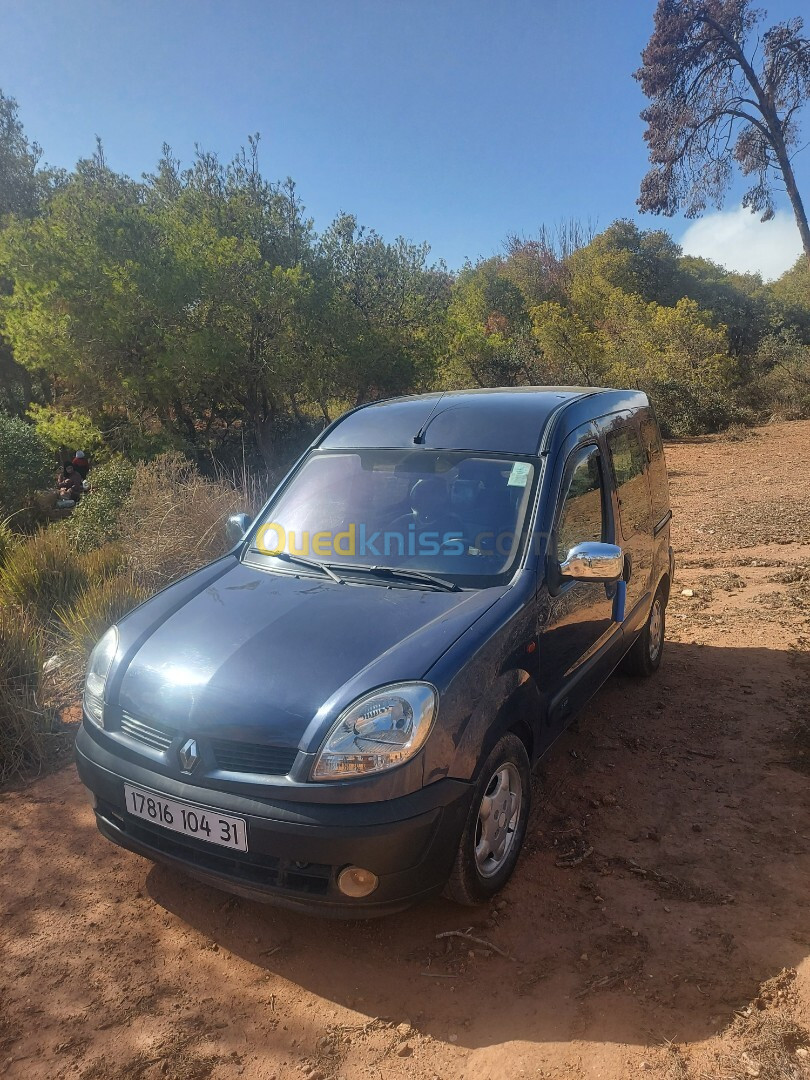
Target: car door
(578, 639)
(635, 524)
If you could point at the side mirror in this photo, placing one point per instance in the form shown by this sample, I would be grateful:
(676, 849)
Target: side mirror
(593, 562)
(235, 528)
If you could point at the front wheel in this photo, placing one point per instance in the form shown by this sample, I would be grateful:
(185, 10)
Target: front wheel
(644, 658)
(495, 827)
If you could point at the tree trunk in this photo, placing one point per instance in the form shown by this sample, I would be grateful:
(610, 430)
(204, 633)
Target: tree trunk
(793, 191)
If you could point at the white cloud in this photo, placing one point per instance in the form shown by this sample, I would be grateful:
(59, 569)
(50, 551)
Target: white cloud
(738, 240)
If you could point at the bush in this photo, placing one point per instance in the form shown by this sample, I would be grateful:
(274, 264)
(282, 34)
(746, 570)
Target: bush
(25, 463)
(8, 538)
(82, 623)
(23, 726)
(20, 650)
(95, 520)
(685, 409)
(41, 573)
(175, 520)
(785, 390)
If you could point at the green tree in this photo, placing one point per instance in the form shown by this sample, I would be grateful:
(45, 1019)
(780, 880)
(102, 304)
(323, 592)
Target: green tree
(490, 341)
(22, 183)
(23, 189)
(677, 355)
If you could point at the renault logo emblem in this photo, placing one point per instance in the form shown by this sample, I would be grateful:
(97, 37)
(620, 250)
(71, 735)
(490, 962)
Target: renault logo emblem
(189, 755)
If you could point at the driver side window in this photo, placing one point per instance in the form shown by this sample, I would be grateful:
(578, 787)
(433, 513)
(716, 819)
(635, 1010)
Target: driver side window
(582, 516)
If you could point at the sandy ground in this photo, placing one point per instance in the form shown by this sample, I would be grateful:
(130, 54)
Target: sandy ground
(678, 947)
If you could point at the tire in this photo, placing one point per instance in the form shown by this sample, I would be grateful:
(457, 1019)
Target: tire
(644, 658)
(490, 844)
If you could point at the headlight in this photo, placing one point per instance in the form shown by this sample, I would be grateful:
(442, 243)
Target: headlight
(98, 668)
(381, 730)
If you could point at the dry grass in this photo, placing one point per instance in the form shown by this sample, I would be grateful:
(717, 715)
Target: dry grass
(23, 726)
(57, 596)
(764, 1040)
(174, 521)
(41, 573)
(82, 623)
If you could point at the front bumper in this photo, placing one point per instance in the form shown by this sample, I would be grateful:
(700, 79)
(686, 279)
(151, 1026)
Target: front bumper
(295, 850)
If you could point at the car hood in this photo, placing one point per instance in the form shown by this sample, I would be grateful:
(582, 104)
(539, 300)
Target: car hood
(258, 654)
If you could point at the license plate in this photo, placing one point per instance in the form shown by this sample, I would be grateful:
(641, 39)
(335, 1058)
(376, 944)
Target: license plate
(197, 821)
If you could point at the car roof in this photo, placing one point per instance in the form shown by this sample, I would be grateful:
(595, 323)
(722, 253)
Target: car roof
(502, 420)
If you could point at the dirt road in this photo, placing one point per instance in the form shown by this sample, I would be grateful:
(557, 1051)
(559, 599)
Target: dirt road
(647, 956)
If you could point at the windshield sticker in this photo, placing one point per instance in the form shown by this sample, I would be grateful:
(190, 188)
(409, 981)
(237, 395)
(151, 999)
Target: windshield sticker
(519, 476)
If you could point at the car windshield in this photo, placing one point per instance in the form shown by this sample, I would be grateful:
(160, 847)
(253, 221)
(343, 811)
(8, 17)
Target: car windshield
(456, 515)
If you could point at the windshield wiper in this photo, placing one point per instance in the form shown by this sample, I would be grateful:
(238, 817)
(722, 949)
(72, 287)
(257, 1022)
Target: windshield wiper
(397, 574)
(391, 572)
(310, 564)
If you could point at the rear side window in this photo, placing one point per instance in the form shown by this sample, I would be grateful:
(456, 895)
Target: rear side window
(659, 486)
(582, 516)
(628, 459)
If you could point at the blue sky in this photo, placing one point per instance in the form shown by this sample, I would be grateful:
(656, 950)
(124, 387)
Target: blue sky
(451, 122)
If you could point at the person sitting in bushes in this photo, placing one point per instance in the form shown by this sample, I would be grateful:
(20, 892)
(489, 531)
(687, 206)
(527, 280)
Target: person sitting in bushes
(81, 464)
(69, 486)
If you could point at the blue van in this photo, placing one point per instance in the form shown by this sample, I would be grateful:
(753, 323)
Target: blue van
(341, 714)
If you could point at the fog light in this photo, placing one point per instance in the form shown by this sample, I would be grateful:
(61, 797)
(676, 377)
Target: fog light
(357, 882)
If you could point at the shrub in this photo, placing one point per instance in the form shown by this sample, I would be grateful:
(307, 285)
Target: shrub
(8, 538)
(20, 649)
(82, 623)
(175, 520)
(25, 463)
(41, 573)
(95, 519)
(687, 409)
(23, 727)
(785, 389)
(101, 563)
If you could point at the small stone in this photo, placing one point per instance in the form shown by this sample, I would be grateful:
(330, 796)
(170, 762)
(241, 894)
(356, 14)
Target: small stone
(404, 1029)
(452, 1038)
(687, 592)
(802, 1052)
(584, 956)
(599, 899)
(315, 1074)
(667, 909)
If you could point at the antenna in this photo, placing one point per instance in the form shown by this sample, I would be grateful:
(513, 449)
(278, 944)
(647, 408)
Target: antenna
(419, 437)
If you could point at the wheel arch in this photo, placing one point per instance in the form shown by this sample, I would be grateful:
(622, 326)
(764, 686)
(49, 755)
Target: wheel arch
(512, 704)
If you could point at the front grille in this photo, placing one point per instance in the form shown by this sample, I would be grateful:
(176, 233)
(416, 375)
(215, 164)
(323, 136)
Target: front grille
(241, 757)
(159, 738)
(253, 757)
